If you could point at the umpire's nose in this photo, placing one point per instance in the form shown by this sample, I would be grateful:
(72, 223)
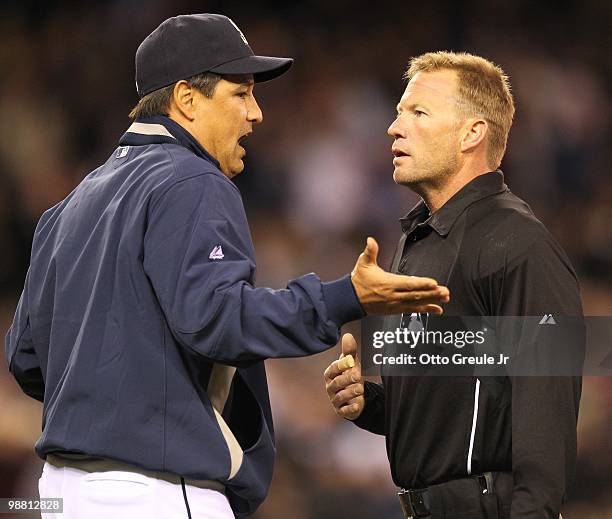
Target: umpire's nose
(395, 129)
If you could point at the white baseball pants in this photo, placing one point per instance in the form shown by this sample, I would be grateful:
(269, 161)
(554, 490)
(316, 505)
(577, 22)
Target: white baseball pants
(127, 495)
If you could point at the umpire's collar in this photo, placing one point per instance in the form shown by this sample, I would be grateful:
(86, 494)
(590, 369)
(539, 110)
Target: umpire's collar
(443, 219)
(159, 129)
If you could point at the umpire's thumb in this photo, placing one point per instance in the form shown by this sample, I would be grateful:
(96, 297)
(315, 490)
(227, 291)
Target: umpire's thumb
(349, 345)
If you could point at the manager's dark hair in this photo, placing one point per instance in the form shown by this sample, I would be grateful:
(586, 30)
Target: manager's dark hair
(158, 101)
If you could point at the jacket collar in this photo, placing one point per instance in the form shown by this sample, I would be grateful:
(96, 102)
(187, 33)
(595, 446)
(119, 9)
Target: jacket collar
(159, 129)
(442, 220)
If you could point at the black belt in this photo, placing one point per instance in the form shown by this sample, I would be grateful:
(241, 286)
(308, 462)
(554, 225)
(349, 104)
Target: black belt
(416, 503)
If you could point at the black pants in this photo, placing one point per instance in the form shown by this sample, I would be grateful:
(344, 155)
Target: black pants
(466, 499)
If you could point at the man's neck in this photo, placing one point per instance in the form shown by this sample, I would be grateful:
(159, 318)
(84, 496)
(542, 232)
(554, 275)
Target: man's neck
(436, 195)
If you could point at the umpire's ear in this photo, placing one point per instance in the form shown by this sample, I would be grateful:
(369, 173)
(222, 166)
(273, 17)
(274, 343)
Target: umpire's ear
(183, 100)
(473, 134)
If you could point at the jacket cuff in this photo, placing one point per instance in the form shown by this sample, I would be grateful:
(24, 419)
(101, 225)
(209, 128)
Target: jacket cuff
(372, 418)
(341, 300)
(365, 418)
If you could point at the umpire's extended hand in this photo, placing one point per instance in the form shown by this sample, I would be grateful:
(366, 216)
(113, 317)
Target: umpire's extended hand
(344, 385)
(382, 293)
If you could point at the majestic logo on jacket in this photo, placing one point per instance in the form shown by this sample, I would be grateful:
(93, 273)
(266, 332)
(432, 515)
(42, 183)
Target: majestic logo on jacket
(548, 319)
(216, 253)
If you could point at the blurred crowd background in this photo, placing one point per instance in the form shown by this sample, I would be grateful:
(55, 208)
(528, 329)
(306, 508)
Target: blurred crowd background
(318, 180)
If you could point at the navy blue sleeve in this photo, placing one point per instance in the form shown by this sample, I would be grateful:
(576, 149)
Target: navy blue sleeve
(20, 353)
(199, 257)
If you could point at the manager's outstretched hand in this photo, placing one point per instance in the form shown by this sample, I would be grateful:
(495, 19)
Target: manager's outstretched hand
(383, 293)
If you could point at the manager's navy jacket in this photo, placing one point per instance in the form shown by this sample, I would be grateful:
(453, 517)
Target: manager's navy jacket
(139, 327)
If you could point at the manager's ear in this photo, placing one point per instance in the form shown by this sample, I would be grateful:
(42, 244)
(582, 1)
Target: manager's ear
(475, 132)
(183, 100)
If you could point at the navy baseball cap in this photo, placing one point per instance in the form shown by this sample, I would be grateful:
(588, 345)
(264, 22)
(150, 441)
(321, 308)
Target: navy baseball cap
(191, 44)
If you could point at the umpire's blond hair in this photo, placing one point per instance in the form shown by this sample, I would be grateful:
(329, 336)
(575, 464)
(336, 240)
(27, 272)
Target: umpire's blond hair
(483, 91)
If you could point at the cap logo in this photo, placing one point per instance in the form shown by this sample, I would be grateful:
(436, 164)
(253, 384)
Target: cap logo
(239, 31)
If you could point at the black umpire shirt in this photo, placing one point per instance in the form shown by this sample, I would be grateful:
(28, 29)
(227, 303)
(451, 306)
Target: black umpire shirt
(497, 259)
